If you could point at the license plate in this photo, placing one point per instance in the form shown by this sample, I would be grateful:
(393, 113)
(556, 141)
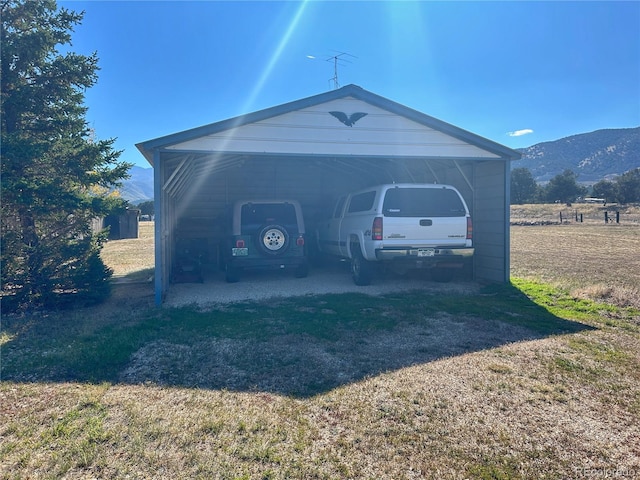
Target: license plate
(240, 252)
(426, 252)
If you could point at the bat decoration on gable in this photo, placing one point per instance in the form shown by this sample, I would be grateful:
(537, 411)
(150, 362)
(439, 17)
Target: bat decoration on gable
(350, 120)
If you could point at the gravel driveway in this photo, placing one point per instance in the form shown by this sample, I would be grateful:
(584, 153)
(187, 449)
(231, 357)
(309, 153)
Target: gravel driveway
(330, 278)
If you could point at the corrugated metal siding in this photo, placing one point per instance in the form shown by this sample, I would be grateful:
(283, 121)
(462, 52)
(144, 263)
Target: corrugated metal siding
(314, 131)
(489, 227)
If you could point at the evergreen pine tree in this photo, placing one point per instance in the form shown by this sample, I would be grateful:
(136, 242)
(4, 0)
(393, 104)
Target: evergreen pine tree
(55, 177)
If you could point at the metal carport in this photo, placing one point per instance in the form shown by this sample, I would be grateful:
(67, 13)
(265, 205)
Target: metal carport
(314, 150)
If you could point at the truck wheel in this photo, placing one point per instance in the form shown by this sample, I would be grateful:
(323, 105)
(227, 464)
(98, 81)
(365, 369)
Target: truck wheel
(302, 271)
(232, 275)
(315, 254)
(361, 269)
(273, 239)
(442, 275)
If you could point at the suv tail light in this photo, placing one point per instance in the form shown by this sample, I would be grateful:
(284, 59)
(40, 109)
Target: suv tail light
(469, 229)
(240, 243)
(300, 241)
(376, 229)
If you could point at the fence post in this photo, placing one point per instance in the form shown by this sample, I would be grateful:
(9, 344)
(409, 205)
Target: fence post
(580, 218)
(606, 217)
(617, 217)
(560, 218)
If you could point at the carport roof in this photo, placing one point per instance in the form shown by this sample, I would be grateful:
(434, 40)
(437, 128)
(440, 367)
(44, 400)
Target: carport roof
(158, 144)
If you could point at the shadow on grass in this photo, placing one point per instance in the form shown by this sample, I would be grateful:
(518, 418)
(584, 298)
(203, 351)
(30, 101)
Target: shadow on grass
(297, 346)
(137, 276)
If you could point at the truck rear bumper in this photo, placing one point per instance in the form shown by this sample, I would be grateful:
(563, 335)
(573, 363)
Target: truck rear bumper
(426, 257)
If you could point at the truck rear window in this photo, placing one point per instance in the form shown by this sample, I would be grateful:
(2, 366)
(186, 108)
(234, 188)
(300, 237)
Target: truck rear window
(422, 202)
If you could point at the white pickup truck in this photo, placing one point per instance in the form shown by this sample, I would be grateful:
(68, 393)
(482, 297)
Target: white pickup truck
(404, 225)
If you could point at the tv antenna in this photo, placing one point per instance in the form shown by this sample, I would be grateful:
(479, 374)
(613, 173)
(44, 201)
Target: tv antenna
(338, 60)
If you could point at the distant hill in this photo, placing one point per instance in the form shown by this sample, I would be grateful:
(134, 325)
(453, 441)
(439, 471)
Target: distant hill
(138, 188)
(594, 156)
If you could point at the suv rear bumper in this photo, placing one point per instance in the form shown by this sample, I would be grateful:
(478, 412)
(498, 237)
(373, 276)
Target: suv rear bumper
(266, 263)
(426, 257)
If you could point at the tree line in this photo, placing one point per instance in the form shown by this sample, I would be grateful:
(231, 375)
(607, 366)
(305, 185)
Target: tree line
(565, 188)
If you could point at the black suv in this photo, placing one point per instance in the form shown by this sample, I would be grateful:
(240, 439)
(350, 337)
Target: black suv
(264, 234)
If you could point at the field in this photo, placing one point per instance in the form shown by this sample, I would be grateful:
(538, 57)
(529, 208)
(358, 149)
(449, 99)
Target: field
(130, 257)
(589, 213)
(591, 259)
(539, 379)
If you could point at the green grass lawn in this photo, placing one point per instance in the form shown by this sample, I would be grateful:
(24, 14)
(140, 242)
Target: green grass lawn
(85, 347)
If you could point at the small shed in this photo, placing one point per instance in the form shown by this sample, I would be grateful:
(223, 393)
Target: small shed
(124, 225)
(316, 149)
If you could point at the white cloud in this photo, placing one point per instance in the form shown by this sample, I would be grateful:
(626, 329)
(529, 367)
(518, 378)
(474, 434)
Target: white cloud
(519, 133)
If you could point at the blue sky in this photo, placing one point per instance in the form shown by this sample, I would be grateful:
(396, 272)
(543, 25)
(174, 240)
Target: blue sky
(517, 73)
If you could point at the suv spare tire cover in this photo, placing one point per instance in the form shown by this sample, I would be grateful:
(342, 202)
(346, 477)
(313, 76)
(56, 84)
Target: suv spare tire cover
(273, 239)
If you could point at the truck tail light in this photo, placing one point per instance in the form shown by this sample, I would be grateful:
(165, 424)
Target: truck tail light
(376, 229)
(469, 229)
(300, 241)
(240, 243)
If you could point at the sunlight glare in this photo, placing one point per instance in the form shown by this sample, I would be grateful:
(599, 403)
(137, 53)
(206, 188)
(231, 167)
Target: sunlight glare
(257, 89)
(275, 57)
(410, 41)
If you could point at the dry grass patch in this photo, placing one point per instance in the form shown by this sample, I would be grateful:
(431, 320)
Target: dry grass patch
(507, 413)
(624, 296)
(599, 261)
(550, 213)
(526, 410)
(131, 255)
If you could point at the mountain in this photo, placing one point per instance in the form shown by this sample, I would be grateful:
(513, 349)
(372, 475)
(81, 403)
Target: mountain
(139, 187)
(594, 156)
